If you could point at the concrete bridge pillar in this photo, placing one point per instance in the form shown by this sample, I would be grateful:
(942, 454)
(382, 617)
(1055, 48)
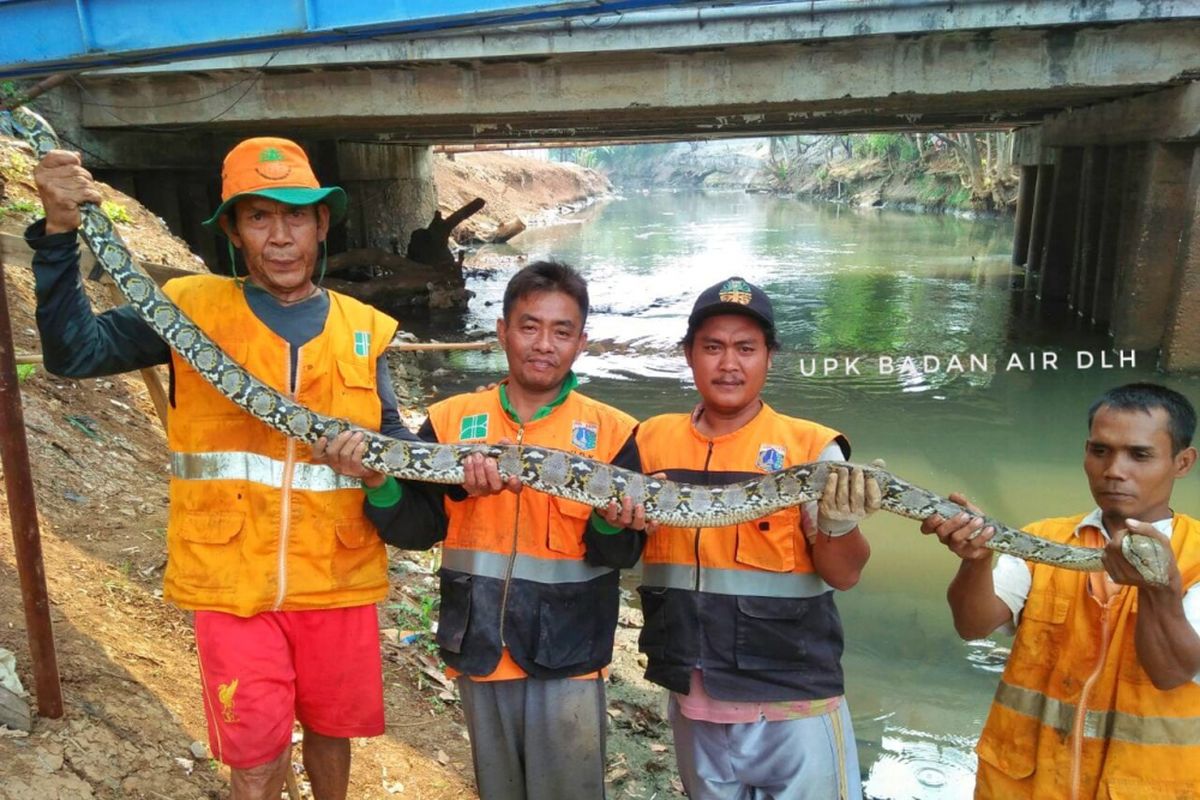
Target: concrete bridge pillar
(1039, 217)
(1058, 250)
(391, 192)
(1181, 345)
(1091, 208)
(1110, 227)
(1148, 252)
(1024, 215)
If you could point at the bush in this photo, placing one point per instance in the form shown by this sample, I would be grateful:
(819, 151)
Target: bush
(31, 207)
(115, 211)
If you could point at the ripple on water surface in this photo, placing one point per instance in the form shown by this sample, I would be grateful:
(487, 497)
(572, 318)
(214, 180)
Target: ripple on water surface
(917, 765)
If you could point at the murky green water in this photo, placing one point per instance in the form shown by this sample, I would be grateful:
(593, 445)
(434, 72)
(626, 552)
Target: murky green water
(862, 284)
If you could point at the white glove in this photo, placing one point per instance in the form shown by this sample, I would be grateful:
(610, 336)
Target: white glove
(848, 499)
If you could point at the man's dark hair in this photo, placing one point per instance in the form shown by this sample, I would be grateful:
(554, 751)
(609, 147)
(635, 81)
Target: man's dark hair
(547, 276)
(689, 338)
(1147, 397)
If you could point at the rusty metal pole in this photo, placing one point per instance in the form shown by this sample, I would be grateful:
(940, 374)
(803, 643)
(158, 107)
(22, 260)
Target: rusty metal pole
(22, 511)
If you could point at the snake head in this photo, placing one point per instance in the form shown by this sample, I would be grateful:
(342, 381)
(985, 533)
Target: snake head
(1148, 556)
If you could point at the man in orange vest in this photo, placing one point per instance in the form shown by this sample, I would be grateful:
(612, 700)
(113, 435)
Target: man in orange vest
(740, 620)
(268, 540)
(1101, 695)
(529, 581)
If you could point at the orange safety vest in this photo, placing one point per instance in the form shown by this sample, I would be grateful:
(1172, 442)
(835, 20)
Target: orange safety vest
(516, 561)
(1138, 741)
(254, 524)
(743, 603)
(766, 556)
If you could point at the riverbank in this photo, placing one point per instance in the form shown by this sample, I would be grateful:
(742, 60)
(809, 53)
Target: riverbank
(514, 188)
(954, 173)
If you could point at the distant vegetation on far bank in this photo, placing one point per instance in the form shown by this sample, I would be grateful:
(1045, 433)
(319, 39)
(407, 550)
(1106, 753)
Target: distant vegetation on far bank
(922, 171)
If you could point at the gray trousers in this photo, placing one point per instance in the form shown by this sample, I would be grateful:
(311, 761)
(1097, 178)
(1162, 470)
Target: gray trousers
(800, 759)
(536, 739)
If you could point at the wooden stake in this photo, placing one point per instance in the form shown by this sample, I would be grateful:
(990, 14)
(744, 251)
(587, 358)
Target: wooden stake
(22, 511)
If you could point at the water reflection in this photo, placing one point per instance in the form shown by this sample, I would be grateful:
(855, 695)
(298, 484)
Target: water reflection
(869, 285)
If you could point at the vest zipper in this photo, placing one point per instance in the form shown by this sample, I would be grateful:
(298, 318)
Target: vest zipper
(1081, 708)
(707, 461)
(512, 555)
(285, 496)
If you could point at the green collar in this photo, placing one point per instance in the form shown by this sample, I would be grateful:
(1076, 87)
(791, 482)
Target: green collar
(567, 385)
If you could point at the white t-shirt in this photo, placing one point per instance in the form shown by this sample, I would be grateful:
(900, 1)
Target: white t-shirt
(1012, 580)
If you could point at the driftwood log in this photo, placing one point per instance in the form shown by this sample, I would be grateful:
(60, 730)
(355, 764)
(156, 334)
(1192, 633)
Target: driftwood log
(431, 244)
(429, 275)
(506, 231)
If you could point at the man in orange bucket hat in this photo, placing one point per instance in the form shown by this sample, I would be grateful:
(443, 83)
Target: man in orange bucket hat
(270, 542)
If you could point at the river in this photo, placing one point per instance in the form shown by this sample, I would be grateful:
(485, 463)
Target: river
(991, 402)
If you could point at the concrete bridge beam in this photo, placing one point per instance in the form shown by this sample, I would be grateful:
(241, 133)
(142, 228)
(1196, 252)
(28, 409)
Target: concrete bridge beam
(935, 81)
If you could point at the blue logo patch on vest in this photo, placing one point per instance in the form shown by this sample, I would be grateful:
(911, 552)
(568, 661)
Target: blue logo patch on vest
(362, 343)
(473, 427)
(770, 457)
(583, 435)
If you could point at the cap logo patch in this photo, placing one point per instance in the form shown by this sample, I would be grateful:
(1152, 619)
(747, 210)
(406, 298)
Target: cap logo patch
(272, 165)
(735, 291)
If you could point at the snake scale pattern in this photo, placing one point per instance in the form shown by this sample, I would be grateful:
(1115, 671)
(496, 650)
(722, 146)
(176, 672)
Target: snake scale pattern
(552, 471)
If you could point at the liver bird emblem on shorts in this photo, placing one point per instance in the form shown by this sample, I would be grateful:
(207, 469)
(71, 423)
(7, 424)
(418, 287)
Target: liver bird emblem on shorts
(225, 693)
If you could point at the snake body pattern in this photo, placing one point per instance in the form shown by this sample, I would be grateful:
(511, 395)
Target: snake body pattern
(555, 472)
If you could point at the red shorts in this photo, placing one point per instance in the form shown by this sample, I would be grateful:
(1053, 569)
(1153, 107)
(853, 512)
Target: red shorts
(260, 673)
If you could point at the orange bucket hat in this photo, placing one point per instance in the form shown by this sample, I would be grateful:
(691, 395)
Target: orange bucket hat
(277, 169)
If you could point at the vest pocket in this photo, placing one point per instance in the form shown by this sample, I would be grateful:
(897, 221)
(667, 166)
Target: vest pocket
(565, 524)
(567, 626)
(203, 553)
(769, 543)
(1009, 743)
(454, 613)
(354, 556)
(771, 632)
(1051, 609)
(653, 639)
(356, 374)
(355, 392)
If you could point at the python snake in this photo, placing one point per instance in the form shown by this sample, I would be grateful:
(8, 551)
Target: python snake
(555, 472)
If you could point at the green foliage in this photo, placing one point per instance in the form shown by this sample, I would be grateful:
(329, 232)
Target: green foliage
(115, 211)
(24, 371)
(8, 92)
(22, 207)
(614, 158)
(418, 617)
(892, 146)
(959, 198)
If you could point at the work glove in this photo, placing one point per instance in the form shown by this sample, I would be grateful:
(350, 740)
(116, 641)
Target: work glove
(849, 497)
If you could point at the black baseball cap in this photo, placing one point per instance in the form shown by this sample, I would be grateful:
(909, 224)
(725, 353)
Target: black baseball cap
(733, 296)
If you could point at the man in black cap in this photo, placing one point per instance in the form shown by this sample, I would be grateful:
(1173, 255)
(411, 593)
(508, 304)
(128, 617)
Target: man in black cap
(740, 620)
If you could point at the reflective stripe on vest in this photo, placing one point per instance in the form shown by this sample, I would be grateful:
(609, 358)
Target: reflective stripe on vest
(1100, 724)
(754, 583)
(487, 564)
(256, 468)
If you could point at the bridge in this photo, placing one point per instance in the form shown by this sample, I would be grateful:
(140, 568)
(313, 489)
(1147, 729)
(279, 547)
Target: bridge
(1105, 95)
